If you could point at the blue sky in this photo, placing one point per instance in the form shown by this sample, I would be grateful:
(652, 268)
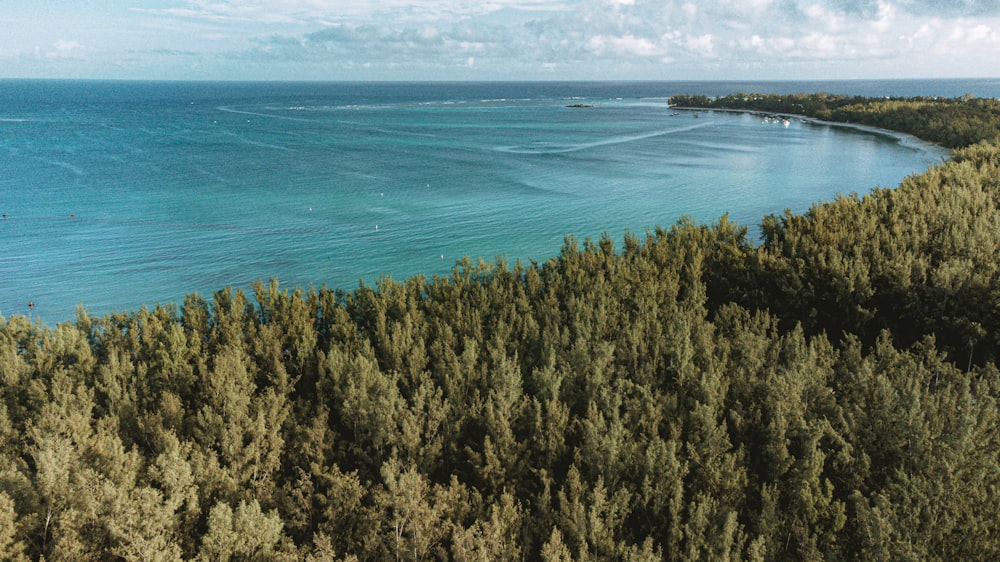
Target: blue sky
(499, 39)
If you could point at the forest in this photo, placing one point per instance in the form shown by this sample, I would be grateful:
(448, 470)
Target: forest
(828, 392)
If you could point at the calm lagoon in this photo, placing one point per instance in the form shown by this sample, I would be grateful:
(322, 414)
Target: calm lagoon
(124, 194)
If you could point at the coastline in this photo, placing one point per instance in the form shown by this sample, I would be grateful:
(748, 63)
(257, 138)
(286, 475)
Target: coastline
(253, 210)
(905, 139)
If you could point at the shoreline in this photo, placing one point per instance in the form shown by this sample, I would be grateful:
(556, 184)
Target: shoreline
(905, 139)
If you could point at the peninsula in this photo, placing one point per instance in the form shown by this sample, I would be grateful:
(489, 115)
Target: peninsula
(950, 122)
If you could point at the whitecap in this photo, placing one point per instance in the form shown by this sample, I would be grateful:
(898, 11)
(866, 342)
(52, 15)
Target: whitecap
(230, 109)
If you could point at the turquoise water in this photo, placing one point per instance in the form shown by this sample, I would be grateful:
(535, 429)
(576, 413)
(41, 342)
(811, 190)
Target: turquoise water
(119, 195)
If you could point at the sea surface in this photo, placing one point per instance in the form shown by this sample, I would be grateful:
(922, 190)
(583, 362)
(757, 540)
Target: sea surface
(118, 195)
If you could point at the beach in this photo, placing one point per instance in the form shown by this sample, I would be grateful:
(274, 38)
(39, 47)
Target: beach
(904, 139)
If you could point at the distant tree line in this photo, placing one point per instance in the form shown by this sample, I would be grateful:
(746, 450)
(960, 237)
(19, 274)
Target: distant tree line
(829, 393)
(951, 122)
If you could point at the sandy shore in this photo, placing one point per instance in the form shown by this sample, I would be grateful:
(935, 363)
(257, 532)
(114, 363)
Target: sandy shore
(905, 139)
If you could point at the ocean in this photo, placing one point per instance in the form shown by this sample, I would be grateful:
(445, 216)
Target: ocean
(118, 195)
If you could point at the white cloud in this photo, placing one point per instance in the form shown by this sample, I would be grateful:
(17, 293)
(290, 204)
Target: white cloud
(701, 44)
(823, 46)
(343, 11)
(640, 32)
(767, 47)
(973, 33)
(971, 40)
(625, 45)
(885, 17)
(64, 49)
(500, 38)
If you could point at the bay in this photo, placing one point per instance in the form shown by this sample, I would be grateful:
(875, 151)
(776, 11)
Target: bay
(118, 195)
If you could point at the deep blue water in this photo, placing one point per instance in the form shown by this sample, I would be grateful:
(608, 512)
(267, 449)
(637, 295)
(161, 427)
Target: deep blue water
(123, 194)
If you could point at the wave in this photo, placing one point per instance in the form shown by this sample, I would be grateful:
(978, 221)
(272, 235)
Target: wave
(245, 140)
(546, 148)
(216, 226)
(365, 106)
(509, 100)
(346, 107)
(64, 165)
(375, 129)
(230, 109)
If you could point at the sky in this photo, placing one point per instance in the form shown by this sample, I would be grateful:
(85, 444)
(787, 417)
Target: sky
(499, 39)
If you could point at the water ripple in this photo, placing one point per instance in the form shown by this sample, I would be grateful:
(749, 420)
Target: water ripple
(548, 148)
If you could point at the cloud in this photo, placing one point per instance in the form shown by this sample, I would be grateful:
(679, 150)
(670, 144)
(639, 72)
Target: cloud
(348, 11)
(629, 33)
(350, 46)
(623, 45)
(960, 38)
(944, 8)
(65, 49)
(501, 38)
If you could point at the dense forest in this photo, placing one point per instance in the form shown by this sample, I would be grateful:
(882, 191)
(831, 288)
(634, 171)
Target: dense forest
(828, 392)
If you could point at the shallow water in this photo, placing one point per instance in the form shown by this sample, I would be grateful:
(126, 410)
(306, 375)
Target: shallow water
(119, 195)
